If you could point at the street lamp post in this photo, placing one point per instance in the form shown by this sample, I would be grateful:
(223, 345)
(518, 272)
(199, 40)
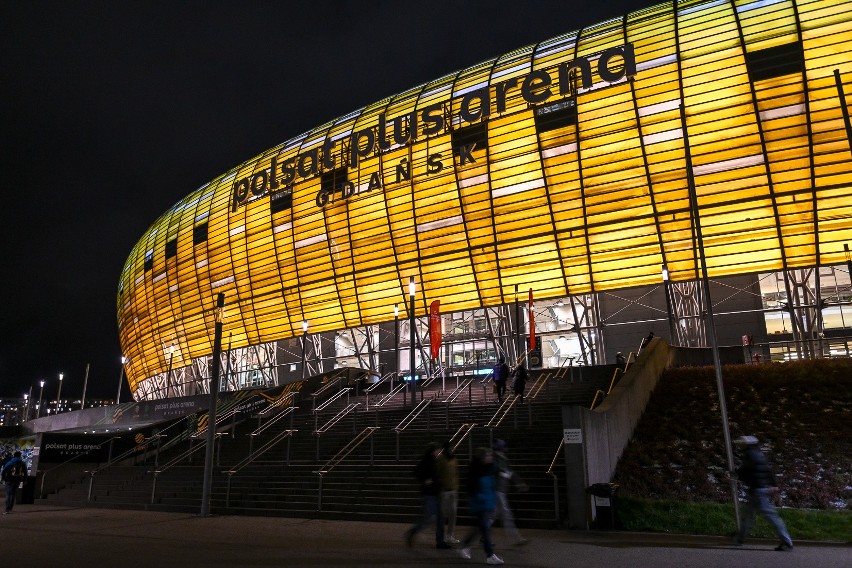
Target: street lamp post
(38, 406)
(124, 361)
(59, 393)
(411, 339)
(669, 306)
(26, 405)
(304, 346)
(396, 342)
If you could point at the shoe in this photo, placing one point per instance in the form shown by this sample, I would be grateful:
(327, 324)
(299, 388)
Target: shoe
(7, 512)
(451, 540)
(465, 553)
(522, 541)
(784, 547)
(442, 545)
(494, 559)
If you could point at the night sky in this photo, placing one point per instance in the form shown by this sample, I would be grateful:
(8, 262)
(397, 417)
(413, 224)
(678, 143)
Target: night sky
(114, 111)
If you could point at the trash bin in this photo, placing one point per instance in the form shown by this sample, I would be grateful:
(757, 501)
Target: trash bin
(28, 491)
(603, 501)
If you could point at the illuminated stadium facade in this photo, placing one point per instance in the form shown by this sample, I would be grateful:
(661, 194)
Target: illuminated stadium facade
(562, 180)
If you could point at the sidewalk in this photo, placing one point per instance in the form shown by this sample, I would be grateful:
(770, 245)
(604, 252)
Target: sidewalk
(45, 536)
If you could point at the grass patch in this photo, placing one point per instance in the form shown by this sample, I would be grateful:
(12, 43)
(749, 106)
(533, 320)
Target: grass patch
(680, 517)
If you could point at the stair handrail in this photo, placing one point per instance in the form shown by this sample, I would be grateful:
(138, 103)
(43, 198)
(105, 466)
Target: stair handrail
(341, 455)
(594, 400)
(344, 452)
(436, 373)
(508, 404)
(334, 382)
(388, 397)
(220, 419)
(551, 473)
(275, 405)
(458, 390)
(289, 411)
(424, 404)
(369, 390)
(174, 461)
(253, 456)
(337, 418)
(412, 416)
(615, 374)
(539, 383)
(460, 435)
(319, 431)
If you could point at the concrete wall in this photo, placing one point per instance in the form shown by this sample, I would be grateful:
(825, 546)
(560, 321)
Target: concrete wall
(606, 430)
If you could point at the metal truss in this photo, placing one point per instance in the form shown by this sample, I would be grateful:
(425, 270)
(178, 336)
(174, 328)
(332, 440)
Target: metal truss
(588, 327)
(687, 313)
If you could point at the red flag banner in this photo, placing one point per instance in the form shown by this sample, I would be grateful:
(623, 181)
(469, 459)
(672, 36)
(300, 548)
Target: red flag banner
(532, 322)
(435, 328)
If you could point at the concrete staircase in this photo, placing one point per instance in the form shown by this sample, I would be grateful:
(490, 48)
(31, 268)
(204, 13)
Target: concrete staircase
(373, 482)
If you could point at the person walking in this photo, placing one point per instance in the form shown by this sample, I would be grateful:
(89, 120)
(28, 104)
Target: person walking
(520, 383)
(756, 474)
(426, 472)
(14, 473)
(500, 375)
(448, 476)
(506, 477)
(481, 501)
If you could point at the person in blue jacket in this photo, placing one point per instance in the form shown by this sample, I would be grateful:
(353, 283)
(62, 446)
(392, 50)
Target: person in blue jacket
(14, 473)
(482, 499)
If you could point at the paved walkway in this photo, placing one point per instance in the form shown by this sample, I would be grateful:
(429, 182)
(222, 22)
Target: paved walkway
(43, 536)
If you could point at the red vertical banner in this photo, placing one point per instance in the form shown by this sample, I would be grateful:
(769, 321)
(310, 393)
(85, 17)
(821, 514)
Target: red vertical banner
(532, 322)
(435, 328)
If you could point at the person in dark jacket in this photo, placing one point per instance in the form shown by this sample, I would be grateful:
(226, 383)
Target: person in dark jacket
(520, 383)
(755, 473)
(481, 499)
(500, 375)
(426, 472)
(14, 473)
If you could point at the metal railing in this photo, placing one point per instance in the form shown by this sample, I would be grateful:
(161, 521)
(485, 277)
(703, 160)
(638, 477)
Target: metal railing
(350, 408)
(466, 384)
(285, 401)
(555, 479)
(289, 411)
(176, 460)
(335, 381)
(341, 455)
(423, 405)
(254, 455)
(508, 404)
(375, 386)
(460, 435)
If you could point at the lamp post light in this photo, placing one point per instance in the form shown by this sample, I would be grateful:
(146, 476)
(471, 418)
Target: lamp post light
(26, 406)
(124, 361)
(304, 346)
(411, 339)
(38, 406)
(59, 393)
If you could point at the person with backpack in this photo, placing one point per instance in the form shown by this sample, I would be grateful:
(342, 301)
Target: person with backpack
(13, 474)
(481, 500)
(426, 472)
(500, 375)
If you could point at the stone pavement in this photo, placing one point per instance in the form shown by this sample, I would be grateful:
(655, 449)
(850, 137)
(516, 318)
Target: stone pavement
(44, 536)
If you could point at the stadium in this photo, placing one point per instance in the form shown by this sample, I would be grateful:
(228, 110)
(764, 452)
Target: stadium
(556, 203)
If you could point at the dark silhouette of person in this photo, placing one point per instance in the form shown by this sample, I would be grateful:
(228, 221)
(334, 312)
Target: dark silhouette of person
(520, 381)
(500, 376)
(426, 472)
(755, 473)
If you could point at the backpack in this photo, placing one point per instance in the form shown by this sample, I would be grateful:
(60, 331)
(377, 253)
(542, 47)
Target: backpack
(16, 473)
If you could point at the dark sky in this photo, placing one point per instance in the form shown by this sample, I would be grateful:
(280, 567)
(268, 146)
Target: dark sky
(114, 111)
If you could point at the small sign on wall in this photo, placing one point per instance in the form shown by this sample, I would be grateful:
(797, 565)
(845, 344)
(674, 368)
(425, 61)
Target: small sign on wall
(572, 436)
